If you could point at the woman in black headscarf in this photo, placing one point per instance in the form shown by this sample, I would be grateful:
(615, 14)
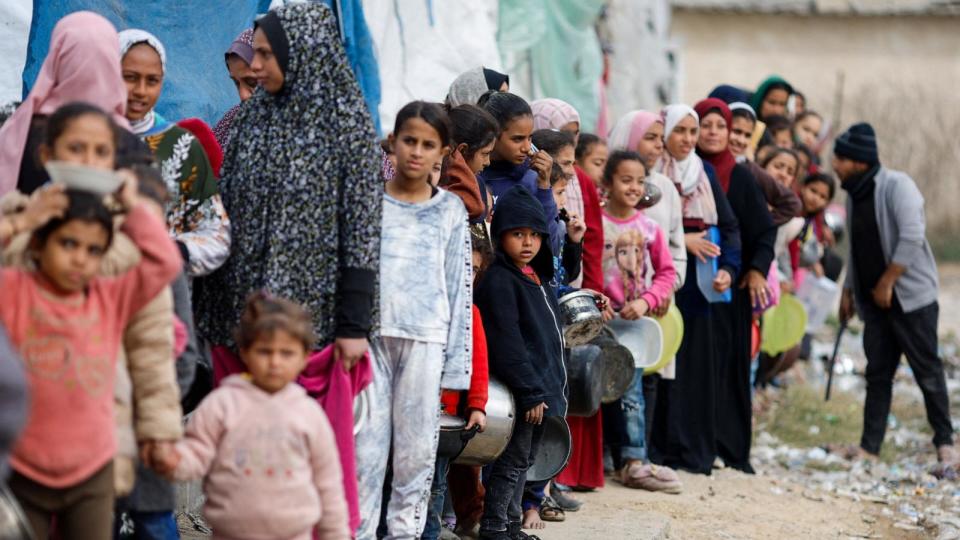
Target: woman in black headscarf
(470, 85)
(301, 182)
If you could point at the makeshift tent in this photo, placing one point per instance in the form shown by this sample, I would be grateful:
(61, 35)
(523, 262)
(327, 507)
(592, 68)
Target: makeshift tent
(196, 34)
(557, 45)
(422, 46)
(14, 27)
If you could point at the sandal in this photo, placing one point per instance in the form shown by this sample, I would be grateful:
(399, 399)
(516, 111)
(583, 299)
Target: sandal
(567, 504)
(551, 511)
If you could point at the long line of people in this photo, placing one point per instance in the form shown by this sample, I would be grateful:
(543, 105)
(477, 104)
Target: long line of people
(289, 260)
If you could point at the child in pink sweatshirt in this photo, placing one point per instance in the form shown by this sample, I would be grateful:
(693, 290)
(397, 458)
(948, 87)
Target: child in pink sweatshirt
(638, 276)
(638, 271)
(67, 323)
(265, 449)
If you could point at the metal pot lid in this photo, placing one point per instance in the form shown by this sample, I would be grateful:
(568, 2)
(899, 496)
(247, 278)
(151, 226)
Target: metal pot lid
(554, 450)
(577, 294)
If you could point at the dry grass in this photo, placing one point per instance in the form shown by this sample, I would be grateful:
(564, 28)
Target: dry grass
(838, 421)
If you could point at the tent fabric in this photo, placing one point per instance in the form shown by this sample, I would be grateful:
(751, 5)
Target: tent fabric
(564, 51)
(197, 83)
(15, 26)
(423, 46)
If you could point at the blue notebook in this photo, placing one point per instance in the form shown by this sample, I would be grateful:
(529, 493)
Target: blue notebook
(707, 271)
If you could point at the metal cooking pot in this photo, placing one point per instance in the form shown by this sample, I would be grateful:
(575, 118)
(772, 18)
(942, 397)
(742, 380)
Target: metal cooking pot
(580, 317)
(361, 410)
(554, 450)
(13, 523)
(453, 436)
(485, 447)
(585, 372)
(618, 370)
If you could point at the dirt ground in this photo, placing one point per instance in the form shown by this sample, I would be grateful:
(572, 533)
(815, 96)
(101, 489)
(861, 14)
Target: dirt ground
(775, 503)
(727, 505)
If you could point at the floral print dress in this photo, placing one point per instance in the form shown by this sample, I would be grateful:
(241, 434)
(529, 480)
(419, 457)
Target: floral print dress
(195, 212)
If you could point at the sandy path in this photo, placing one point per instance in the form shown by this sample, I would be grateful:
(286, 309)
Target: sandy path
(729, 505)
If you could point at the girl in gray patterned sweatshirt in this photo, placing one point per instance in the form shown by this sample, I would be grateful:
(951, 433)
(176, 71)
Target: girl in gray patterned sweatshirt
(425, 336)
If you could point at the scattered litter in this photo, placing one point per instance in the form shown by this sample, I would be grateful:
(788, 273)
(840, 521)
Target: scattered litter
(911, 489)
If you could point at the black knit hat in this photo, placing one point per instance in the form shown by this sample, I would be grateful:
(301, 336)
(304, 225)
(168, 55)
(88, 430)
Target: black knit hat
(858, 143)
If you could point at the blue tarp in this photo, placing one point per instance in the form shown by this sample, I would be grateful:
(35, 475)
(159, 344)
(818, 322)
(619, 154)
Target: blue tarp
(196, 34)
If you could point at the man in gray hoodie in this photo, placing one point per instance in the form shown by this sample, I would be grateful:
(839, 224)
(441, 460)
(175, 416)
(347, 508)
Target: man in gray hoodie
(892, 284)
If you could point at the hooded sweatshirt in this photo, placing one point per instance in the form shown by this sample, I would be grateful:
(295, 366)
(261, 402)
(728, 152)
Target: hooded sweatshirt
(521, 317)
(269, 463)
(500, 176)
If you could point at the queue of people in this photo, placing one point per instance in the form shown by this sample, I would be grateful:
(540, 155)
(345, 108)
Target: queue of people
(266, 275)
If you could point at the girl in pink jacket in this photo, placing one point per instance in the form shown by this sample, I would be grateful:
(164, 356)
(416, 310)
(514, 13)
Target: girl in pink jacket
(638, 271)
(264, 448)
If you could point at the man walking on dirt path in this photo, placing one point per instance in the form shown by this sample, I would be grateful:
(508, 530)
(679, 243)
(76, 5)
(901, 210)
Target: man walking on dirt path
(892, 283)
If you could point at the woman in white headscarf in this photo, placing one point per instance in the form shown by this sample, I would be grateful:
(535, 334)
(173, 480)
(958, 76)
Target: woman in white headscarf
(684, 432)
(195, 212)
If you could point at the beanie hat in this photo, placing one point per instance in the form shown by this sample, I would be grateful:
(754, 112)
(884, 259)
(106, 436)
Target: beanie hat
(858, 143)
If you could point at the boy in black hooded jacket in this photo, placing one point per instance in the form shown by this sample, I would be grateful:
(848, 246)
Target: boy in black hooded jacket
(525, 348)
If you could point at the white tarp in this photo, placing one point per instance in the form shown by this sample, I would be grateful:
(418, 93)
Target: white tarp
(644, 63)
(423, 45)
(15, 29)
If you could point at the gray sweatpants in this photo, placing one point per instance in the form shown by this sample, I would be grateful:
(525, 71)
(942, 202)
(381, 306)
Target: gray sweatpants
(405, 405)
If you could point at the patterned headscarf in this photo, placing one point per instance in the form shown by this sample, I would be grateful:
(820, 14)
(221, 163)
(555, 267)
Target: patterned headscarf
(242, 46)
(552, 113)
(301, 183)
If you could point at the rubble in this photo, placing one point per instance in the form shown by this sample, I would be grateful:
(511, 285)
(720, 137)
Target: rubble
(910, 488)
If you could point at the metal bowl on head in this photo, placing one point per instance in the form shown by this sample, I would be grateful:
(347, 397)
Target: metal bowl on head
(554, 450)
(618, 370)
(580, 317)
(643, 337)
(485, 447)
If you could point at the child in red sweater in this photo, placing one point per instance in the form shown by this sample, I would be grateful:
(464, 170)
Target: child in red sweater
(67, 324)
(465, 490)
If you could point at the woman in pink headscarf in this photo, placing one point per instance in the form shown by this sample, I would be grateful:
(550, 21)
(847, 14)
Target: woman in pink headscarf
(642, 132)
(585, 466)
(83, 65)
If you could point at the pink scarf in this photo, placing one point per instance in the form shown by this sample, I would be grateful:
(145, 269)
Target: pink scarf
(630, 130)
(83, 65)
(552, 113)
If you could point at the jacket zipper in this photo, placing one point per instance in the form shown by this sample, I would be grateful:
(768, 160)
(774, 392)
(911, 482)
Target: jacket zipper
(563, 365)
